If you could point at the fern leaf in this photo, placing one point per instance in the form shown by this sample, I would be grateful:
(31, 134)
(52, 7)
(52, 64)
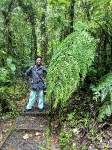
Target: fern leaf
(69, 65)
(103, 91)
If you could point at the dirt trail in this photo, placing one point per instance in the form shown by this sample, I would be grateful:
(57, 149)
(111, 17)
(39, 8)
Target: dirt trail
(31, 132)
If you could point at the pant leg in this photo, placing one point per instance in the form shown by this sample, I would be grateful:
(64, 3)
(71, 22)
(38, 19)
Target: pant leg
(32, 99)
(40, 99)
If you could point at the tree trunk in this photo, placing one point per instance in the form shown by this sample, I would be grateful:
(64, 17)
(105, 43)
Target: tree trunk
(68, 30)
(72, 16)
(34, 37)
(31, 15)
(87, 6)
(43, 34)
(7, 19)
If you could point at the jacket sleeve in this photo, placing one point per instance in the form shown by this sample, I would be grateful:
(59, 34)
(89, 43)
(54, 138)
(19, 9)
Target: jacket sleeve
(44, 70)
(27, 73)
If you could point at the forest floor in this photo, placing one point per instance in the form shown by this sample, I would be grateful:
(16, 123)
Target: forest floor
(30, 131)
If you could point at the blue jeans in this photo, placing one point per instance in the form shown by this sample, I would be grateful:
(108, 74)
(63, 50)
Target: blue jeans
(32, 99)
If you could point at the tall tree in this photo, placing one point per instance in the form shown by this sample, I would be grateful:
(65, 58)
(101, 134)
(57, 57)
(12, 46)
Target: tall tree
(43, 32)
(72, 16)
(7, 18)
(28, 9)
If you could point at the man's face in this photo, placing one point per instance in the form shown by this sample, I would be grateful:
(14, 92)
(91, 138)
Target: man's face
(38, 61)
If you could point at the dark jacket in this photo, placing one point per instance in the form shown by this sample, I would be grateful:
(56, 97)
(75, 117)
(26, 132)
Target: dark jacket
(37, 76)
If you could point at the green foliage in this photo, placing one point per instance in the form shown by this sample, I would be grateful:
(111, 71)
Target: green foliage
(103, 92)
(65, 138)
(7, 105)
(7, 92)
(7, 71)
(69, 65)
(22, 65)
(4, 75)
(10, 97)
(10, 64)
(74, 55)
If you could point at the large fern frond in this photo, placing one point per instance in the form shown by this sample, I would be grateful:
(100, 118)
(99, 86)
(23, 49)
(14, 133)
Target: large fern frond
(103, 92)
(69, 65)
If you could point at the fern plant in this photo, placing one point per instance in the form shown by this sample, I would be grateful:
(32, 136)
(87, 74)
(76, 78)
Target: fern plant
(69, 65)
(103, 92)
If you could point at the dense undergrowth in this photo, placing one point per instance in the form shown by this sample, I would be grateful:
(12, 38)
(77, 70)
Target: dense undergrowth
(77, 124)
(10, 97)
(12, 87)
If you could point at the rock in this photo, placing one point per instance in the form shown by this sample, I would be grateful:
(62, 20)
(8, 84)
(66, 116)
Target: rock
(76, 131)
(91, 147)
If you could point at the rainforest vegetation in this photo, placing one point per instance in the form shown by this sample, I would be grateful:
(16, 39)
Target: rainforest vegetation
(74, 38)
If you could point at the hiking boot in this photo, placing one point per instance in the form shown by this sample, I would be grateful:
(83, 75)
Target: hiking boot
(40, 110)
(27, 110)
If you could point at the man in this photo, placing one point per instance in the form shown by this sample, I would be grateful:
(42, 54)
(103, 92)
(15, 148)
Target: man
(37, 84)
